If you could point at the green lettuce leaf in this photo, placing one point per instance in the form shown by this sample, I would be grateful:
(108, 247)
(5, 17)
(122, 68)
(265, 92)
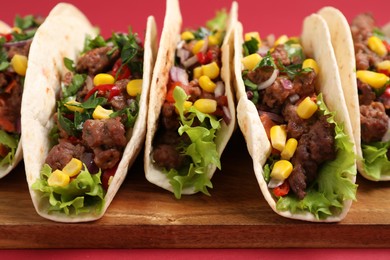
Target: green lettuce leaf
(333, 186)
(218, 23)
(202, 150)
(11, 141)
(82, 195)
(375, 161)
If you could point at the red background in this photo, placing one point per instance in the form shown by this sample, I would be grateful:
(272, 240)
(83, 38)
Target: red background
(278, 17)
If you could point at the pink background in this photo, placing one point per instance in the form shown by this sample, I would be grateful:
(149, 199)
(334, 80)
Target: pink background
(278, 17)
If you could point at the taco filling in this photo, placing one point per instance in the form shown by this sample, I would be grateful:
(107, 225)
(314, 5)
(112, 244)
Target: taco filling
(14, 50)
(306, 168)
(184, 145)
(372, 53)
(96, 111)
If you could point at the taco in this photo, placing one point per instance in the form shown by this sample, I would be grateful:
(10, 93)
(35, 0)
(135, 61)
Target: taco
(292, 113)
(14, 52)
(191, 115)
(83, 113)
(363, 55)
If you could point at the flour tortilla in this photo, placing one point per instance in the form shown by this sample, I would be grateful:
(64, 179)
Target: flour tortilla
(315, 40)
(170, 36)
(62, 35)
(344, 49)
(5, 169)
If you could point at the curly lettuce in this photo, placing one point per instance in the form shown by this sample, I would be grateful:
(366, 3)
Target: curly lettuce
(11, 142)
(334, 183)
(202, 150)
(84, 194)
(375, 161)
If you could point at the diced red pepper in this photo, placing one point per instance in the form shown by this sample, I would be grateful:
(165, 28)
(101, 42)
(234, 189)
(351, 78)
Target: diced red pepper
(267, 123)
(120, 72)
(107, 174)
(205, 58)
(115, 91)
(282, 190)
(101, 89)
(387, 45)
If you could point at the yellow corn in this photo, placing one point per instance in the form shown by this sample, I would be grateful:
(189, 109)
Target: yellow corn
(251, 61)
(248, 36)
(281, 170)
(187, 104)
(206, 84)
(101, 113)
(58, 178)
(16, 29)
(211, 70)
(134, 87)
(281, 40)
(278, 136)
(289, 149)
(19, 64)
(198, 72)
(73, 167)
(187, 35)
(383, 66)
(306, 108)
(206, 106)
(198, 45)
(213, 40)
(377, 46)
(374, 79)
(103, 78)
(72, 105)
(310, 63)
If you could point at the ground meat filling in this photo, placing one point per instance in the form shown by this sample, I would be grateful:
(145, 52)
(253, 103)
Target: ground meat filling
(97, 60)
(62, 153)
(373, 115)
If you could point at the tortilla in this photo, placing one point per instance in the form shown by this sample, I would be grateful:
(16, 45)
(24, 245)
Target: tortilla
(315, 40)
(165, 59)
(63, 33)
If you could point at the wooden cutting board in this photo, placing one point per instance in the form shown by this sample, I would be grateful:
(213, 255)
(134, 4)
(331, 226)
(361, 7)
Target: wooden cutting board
(235, 216)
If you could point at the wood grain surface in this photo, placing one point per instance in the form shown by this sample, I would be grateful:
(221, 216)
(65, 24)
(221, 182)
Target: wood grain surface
(235, 216)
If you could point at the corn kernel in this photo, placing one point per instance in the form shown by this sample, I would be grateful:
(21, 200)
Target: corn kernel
(206, 84)
(248, 36)
(198, 46)
(197, 72)
(134, 87)
(101, 113)
(374, 79)
(187, 35)
(19, 63)
(310, 63)
(278, 135)
(205, 105)
(211, 70)
(377, 46)
(384, 66)
(281, 170)
(289, 149)
(251, 61)
(17, 29)
(213, 40)
(73, 167)
(103, 78)
(281, 40)
(186, 105)
(73, 105)
(306, 108)
(58, 178)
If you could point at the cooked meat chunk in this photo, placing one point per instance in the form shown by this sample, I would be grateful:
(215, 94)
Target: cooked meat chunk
(62, 153)
(96, 60)
(374, 122)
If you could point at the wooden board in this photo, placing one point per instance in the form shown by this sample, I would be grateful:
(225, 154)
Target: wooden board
(235, 216)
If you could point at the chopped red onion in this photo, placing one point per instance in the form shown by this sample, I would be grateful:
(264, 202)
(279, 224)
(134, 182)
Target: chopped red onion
(205, 45)
(286, 83)
(386, 137)
(294, 98)
(219, 89)
(273, 183)
(191, 61)
(227, 117)
(270, 81)
(262, 51)
(16, 44)
(89, 83)
(183, 55)
(274, 117)
(179, 75)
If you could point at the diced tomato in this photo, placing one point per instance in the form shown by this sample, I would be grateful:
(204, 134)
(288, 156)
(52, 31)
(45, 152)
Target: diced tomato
(387, 45)
(282, 190)
(7, 36)
(386, 72)
(7, 125)
(102, 89)
(120, 72)
(171, 87)
(114, 91)
(107, 175)
(267, 123)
